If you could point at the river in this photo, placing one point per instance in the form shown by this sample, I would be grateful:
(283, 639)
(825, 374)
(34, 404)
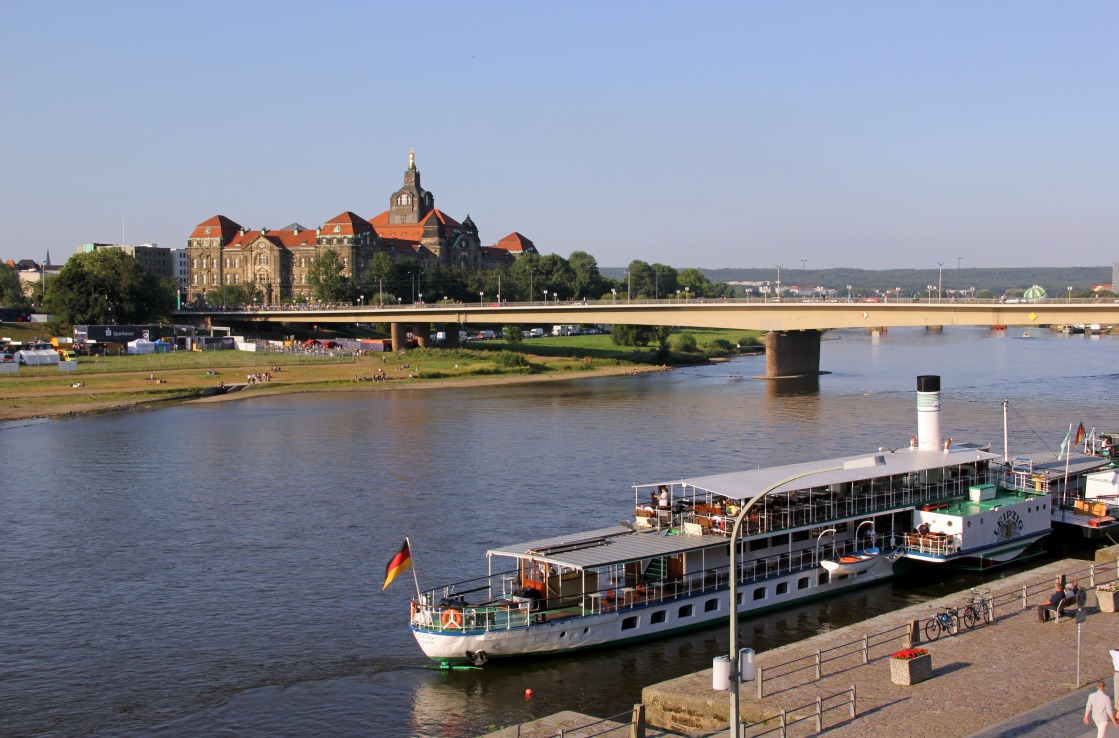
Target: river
(217, 569)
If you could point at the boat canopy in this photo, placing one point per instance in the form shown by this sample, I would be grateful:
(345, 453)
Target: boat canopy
(604, 547)
(743, 485)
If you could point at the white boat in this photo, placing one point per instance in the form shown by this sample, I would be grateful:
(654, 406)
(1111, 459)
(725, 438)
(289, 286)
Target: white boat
(667, 571)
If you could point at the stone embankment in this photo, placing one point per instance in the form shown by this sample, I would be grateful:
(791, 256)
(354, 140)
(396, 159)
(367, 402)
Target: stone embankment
(980, 677)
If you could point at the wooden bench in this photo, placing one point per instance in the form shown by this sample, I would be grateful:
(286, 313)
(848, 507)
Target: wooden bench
(1077, 601)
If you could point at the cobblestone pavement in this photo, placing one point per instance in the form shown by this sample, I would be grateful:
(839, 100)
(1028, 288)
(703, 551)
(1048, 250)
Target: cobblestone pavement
(980, 677)
(1063, 716)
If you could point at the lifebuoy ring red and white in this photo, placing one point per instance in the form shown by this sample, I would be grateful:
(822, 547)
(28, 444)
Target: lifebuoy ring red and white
(452, 618)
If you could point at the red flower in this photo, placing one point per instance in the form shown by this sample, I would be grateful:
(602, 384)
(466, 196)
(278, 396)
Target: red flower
(909, 653)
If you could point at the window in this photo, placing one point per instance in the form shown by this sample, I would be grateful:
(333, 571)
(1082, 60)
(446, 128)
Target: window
(802, 583)
(629, 623)
(759, 543)
(337, 229)
(800, 535)
(823, 579)
(759, 593)
(302, 262)
(684, 612)
(711, 605)
(781, 540)
(657, 617)
(237, 262)
(782, 588)
(194, 263)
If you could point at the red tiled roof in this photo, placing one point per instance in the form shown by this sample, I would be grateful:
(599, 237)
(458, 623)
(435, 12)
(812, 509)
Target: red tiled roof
(218, 226)
(348, 223)
(515, 242)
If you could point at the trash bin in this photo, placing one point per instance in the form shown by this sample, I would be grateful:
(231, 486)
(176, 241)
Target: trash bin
(720, 673)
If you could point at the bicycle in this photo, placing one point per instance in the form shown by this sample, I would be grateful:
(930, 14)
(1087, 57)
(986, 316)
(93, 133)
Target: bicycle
(945, 619)
(977, 609)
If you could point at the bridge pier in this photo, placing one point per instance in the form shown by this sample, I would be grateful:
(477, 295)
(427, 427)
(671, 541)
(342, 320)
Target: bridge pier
(450, 330)
(422, 333)
(398, 335)
(792, 354)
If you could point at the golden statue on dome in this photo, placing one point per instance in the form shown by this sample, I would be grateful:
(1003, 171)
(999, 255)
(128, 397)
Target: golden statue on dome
(412, 159)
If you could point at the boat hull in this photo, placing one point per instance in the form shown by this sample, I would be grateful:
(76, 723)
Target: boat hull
(656, 618)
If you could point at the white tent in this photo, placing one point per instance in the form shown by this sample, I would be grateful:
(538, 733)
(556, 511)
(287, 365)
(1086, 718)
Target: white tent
(37, 357)
(141, 346)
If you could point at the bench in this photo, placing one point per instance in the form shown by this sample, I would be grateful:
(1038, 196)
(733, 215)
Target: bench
(1077, 601)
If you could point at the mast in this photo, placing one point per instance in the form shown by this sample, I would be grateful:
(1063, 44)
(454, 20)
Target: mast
(1005, 433)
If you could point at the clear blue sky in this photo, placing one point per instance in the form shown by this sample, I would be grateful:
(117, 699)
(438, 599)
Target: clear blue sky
(708, 134)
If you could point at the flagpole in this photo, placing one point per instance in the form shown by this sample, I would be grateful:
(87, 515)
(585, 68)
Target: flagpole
(415, 578)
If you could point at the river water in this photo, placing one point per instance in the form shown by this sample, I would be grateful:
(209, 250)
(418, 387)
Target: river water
(217, 569)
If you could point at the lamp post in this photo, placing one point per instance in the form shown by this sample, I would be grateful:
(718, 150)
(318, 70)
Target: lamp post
(360, 300)
(614, 294)
(930, 289)
(959, 260)
(421, 299)
(848, 293)
(1070, 293)
(779, 267)
(940, 282)
(687, 294)
(735, 706)
(481, 295)
(677, 295)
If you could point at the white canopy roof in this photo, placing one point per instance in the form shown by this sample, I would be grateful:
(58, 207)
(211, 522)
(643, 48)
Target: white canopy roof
(743, 485)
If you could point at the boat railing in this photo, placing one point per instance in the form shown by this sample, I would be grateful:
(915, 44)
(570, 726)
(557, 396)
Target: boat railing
(933, 544)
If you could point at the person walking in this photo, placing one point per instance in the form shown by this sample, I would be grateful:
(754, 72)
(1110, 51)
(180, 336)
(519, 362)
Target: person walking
(1115, 677)
(1099, 709)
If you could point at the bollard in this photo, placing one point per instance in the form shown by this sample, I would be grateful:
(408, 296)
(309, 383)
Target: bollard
(1025, 603)
(819, 715)
(1092, 575)
(853, 702)
(637, 725)
(759, 671)
(913, 636)
(866, 649)
(784, 723)
(819, 669)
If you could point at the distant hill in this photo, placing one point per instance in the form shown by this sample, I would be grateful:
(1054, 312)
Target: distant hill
(1055, 280)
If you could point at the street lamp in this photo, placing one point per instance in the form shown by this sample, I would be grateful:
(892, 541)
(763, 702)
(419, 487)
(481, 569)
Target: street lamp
(802, 263)
(959, 259)
(930, 289)
(940, 282)
(360, 300)
(848, 293)
(687, 291)
(614, 294)
(480, 296)
(735, 675)
(1070, 293)
(545, 298)
(421, 299)
(677, 295)
(779, 267)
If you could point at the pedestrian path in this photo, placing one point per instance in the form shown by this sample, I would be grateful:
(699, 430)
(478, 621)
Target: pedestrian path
(980, 676)
(1063, 716)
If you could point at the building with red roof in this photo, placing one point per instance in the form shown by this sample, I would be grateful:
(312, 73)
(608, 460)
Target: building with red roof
(220, 251)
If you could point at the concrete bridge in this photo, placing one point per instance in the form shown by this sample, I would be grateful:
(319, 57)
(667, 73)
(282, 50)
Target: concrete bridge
(793, 328)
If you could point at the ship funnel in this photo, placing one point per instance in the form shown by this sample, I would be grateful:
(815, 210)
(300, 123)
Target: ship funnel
(928, 412)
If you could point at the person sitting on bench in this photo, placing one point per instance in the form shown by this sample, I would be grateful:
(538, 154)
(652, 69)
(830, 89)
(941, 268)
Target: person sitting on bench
(1055, 600)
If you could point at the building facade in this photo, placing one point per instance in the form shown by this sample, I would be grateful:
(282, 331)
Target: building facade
(278, 262)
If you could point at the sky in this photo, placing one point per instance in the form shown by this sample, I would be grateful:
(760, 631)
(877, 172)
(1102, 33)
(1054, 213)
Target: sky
(821, 134)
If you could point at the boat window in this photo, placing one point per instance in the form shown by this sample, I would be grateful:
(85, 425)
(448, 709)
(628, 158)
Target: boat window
(783, 588)
(781, 540)
(841, 577)
(823, 579)
(802, 583)
(657, 617)
(711, 605)
(759, 593)
(685, 612)
(759, 543)
(738, 599)
(629, 623)
(800, 535)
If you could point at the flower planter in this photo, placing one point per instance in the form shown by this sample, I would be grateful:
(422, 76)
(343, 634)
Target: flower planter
(1106, 600)
(911, 671)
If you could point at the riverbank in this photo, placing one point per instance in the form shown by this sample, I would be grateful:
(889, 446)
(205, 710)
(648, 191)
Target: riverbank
(51, 395)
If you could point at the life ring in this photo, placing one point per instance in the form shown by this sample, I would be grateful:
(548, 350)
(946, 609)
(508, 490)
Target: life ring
(452, 618)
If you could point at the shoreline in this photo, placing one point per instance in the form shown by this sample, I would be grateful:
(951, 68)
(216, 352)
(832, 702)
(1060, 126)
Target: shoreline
(75, 410)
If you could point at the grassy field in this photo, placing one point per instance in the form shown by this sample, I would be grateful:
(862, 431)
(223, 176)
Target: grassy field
(113, 382)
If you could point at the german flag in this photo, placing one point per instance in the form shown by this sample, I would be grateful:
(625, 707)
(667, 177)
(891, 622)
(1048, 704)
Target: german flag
(399, 564)
(1079, 435)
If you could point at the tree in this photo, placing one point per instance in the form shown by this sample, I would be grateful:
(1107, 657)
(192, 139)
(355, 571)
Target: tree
(228, 295)
(107, 287)
(11, 292)
(327, 281)
(633, 335)
(641, 280)
(588, 281)
(512, 334)
(697, 283)
(381, 271)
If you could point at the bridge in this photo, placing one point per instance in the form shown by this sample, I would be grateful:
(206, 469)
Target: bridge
(793, 328)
